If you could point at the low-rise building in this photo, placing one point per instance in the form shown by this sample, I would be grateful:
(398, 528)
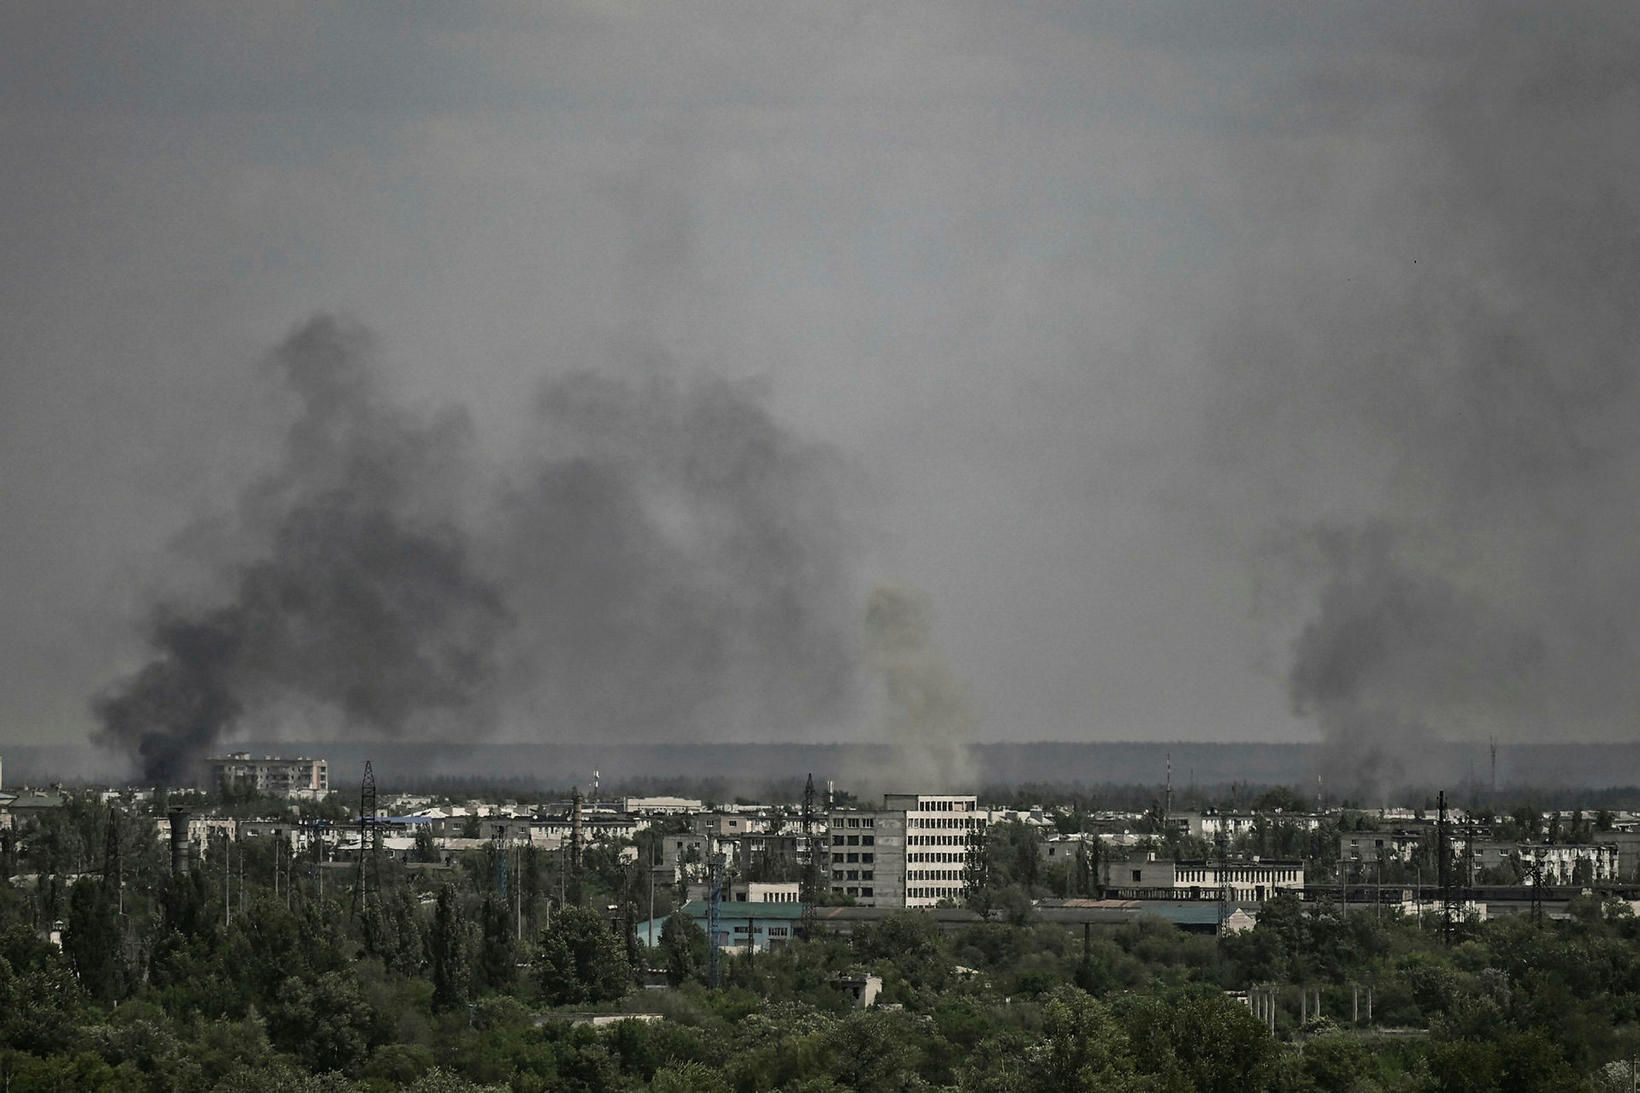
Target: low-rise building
(661, 806)
(742, 926)
(1243, 881)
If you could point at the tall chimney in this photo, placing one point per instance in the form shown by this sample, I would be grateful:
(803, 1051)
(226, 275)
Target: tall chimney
(181, 851)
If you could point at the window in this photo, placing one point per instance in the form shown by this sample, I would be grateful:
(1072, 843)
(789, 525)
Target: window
(868, 840)
(866, 892)
(1136, 876)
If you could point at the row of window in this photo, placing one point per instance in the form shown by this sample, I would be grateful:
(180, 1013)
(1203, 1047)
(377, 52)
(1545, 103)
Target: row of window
(838, 859)
(864, 893)
(854, 821)
(932, 893)
(854, 874)
(956, 856)
(934, 874)
(854, 840)
(944, 821)
(945, 806)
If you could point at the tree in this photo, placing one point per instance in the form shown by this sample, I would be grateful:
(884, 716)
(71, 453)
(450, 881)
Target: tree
(496, 951)
(92, 939)
(683, 946)
(447, 952)
(327, 1023)
(581, 959)
(426, 848)
(1082, 1046)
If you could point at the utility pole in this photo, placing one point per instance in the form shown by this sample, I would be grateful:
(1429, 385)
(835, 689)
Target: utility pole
(714, 894)
(367, 877)
(1494, 749)
(1167, 796)
(1443, 849)
(575, 846)
(1222, 842)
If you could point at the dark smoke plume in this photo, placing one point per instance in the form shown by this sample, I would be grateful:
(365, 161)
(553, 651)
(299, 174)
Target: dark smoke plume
(1437, 378)
(681, 563)
(364, 599)
(666, 560)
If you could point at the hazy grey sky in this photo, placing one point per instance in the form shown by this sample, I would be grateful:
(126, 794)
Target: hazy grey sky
(1096, 299)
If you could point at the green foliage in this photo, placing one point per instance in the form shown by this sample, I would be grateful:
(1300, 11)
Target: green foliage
(683, 948)
(449, 946)
(581, 959)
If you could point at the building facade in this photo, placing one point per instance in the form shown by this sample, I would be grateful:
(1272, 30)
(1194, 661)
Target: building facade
(1245, 881)
(298, 777)
(910, 853)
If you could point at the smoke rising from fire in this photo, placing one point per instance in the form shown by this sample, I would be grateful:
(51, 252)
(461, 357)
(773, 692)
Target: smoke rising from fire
(1443, 418)
(665, 559)
(927, 718)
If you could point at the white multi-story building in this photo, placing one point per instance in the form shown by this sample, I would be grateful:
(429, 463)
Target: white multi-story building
(910, 853)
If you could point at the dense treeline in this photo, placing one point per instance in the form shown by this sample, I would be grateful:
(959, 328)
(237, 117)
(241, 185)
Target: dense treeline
(459, 978)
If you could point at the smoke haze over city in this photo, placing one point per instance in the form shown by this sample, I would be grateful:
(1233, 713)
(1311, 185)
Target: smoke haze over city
(1058, 372)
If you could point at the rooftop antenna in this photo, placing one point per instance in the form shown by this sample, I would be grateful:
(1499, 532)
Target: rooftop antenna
(1167, 792)
(1494, 750)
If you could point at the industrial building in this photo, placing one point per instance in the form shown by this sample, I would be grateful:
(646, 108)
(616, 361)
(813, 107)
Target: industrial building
(744, 926)
(912, 852)
(1244, 881)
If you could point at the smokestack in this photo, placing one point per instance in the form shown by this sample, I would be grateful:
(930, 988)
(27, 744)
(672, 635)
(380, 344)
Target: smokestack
(181, 849)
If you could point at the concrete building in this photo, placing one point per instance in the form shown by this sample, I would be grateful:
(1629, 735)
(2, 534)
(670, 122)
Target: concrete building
(757, 891)
(661, 806)
(298, 777)
(910, 853)
(1247, 881)
(1210, 824)
(1560, 863)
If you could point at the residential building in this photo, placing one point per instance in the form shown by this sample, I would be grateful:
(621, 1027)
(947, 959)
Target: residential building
(1560, 863)
(297, 777)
